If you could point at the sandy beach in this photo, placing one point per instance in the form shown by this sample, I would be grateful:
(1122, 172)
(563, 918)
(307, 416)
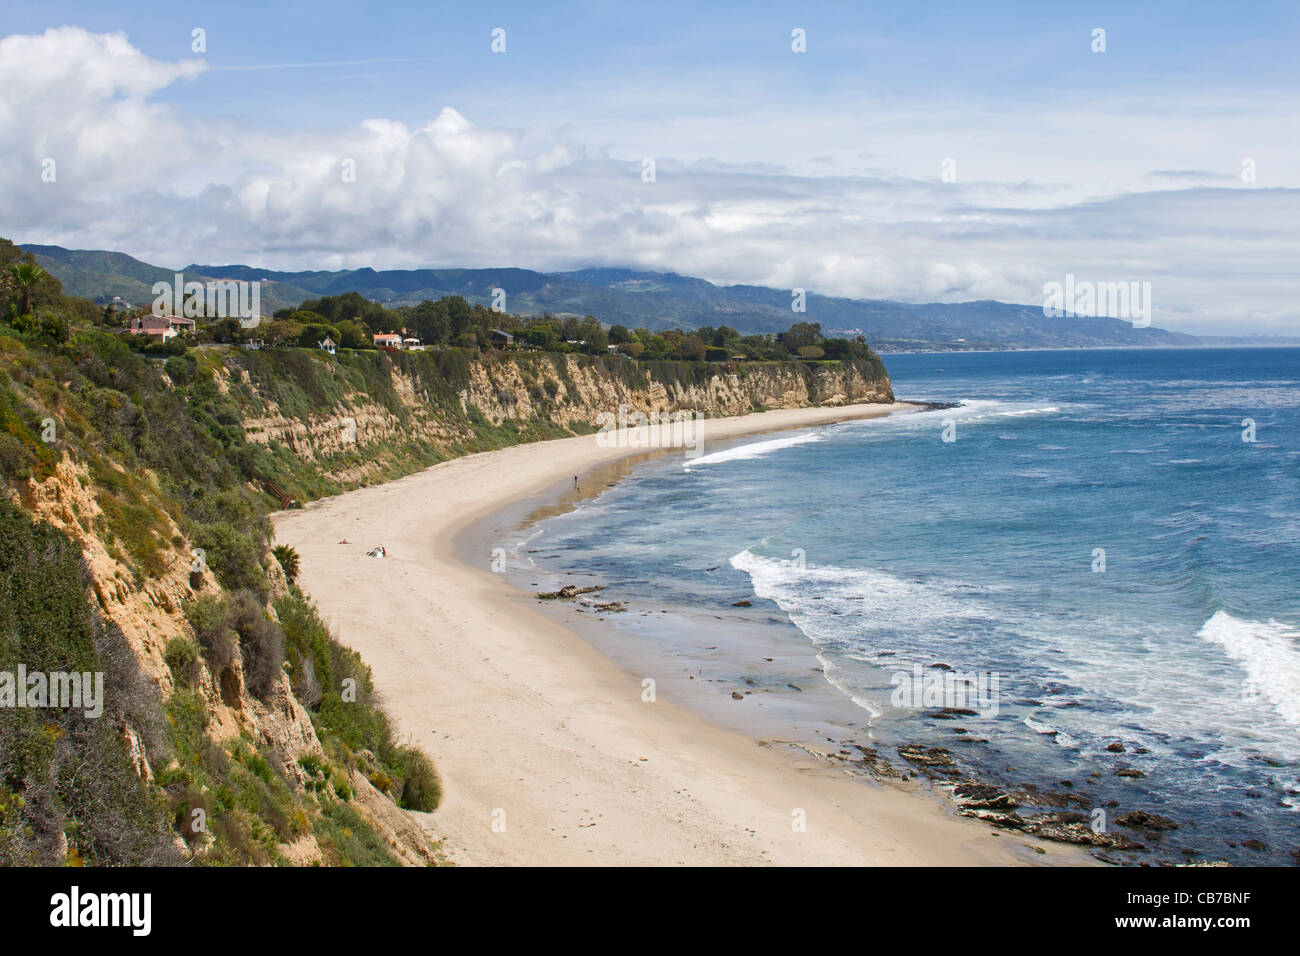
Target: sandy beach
(547, 753)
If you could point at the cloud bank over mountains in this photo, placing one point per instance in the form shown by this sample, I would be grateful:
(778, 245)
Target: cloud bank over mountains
(133, 172)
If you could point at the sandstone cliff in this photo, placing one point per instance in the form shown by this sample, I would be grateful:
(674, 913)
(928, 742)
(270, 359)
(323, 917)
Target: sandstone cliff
(161, 474)
(528, 396)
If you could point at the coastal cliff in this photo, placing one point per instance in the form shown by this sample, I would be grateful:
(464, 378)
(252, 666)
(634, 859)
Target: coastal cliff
(232, 765)
(376, 416)
(235, 728)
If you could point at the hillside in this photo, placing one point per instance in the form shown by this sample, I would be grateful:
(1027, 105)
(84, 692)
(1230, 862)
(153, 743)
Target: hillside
(636, 299)
(134, 542)
(99, 276)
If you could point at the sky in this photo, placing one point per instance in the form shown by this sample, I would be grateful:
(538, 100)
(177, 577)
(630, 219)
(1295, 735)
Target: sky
(919, 152)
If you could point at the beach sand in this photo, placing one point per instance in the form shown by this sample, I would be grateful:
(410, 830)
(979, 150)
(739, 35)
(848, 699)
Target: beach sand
(547, 753)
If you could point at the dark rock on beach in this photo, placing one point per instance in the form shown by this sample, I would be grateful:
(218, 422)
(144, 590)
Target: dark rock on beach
(1068, 827)
(566, 592)
(1002, 819)
(950, 713)
(933, 758)
(1143, 820)
(981, 796)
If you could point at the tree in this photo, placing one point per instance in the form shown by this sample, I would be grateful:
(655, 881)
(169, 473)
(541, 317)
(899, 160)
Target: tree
(460, 316)
(431, 322)
(280, 332)
(27, 274)
(837, 348)
(315, 333)
(619, 335)
(225, 330)
(596, 338)
(354, 335)
(655, 346)
(333, 309)
(693, 348)
(289, 561)
(540, 337)
(800, 335)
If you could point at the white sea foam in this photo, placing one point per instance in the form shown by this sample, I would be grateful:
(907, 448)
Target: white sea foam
(1059, 737)
(821, 600)
(1017, 412)
(754, 449)
(831, 671)
(978, 409)
(1269, 653)
(819, 597)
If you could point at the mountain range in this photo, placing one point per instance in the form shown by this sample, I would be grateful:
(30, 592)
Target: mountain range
(654, 300)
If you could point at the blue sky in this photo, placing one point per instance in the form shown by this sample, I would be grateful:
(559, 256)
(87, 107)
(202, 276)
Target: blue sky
(820, 169)
(560, 56)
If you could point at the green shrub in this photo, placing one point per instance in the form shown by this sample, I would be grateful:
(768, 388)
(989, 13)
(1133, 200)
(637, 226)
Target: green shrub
(239, 625)
(349, 840)
(187, 718)
(422, 790)
(234, 555)
(307, 647)
(261, 644)
(180, 369)
(208, 616)
(182, 657)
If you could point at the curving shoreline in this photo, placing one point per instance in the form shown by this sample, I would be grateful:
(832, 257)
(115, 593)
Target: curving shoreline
(523, 715)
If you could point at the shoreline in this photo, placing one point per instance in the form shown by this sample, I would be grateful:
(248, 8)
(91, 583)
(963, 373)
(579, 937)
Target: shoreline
(532, 726)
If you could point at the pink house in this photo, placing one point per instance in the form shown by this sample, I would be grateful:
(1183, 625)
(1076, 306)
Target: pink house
(388, 340)
(161, 327)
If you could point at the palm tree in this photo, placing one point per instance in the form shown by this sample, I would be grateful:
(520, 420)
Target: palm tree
(288, 559)
(28, 274)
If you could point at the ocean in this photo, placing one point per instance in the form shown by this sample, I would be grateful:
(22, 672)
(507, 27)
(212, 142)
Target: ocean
(1104, 542)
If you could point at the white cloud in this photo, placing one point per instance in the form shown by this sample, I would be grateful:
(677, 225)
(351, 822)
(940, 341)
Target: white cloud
(171, 187)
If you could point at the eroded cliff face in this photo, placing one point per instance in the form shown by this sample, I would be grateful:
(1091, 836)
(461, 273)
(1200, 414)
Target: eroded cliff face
(559, 392)
(501, 390)
(148, 612)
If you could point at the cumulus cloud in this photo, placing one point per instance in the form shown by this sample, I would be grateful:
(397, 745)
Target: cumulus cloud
(171, 187)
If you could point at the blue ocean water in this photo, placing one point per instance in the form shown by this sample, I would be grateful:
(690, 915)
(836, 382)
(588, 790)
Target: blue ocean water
(1097, 534)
